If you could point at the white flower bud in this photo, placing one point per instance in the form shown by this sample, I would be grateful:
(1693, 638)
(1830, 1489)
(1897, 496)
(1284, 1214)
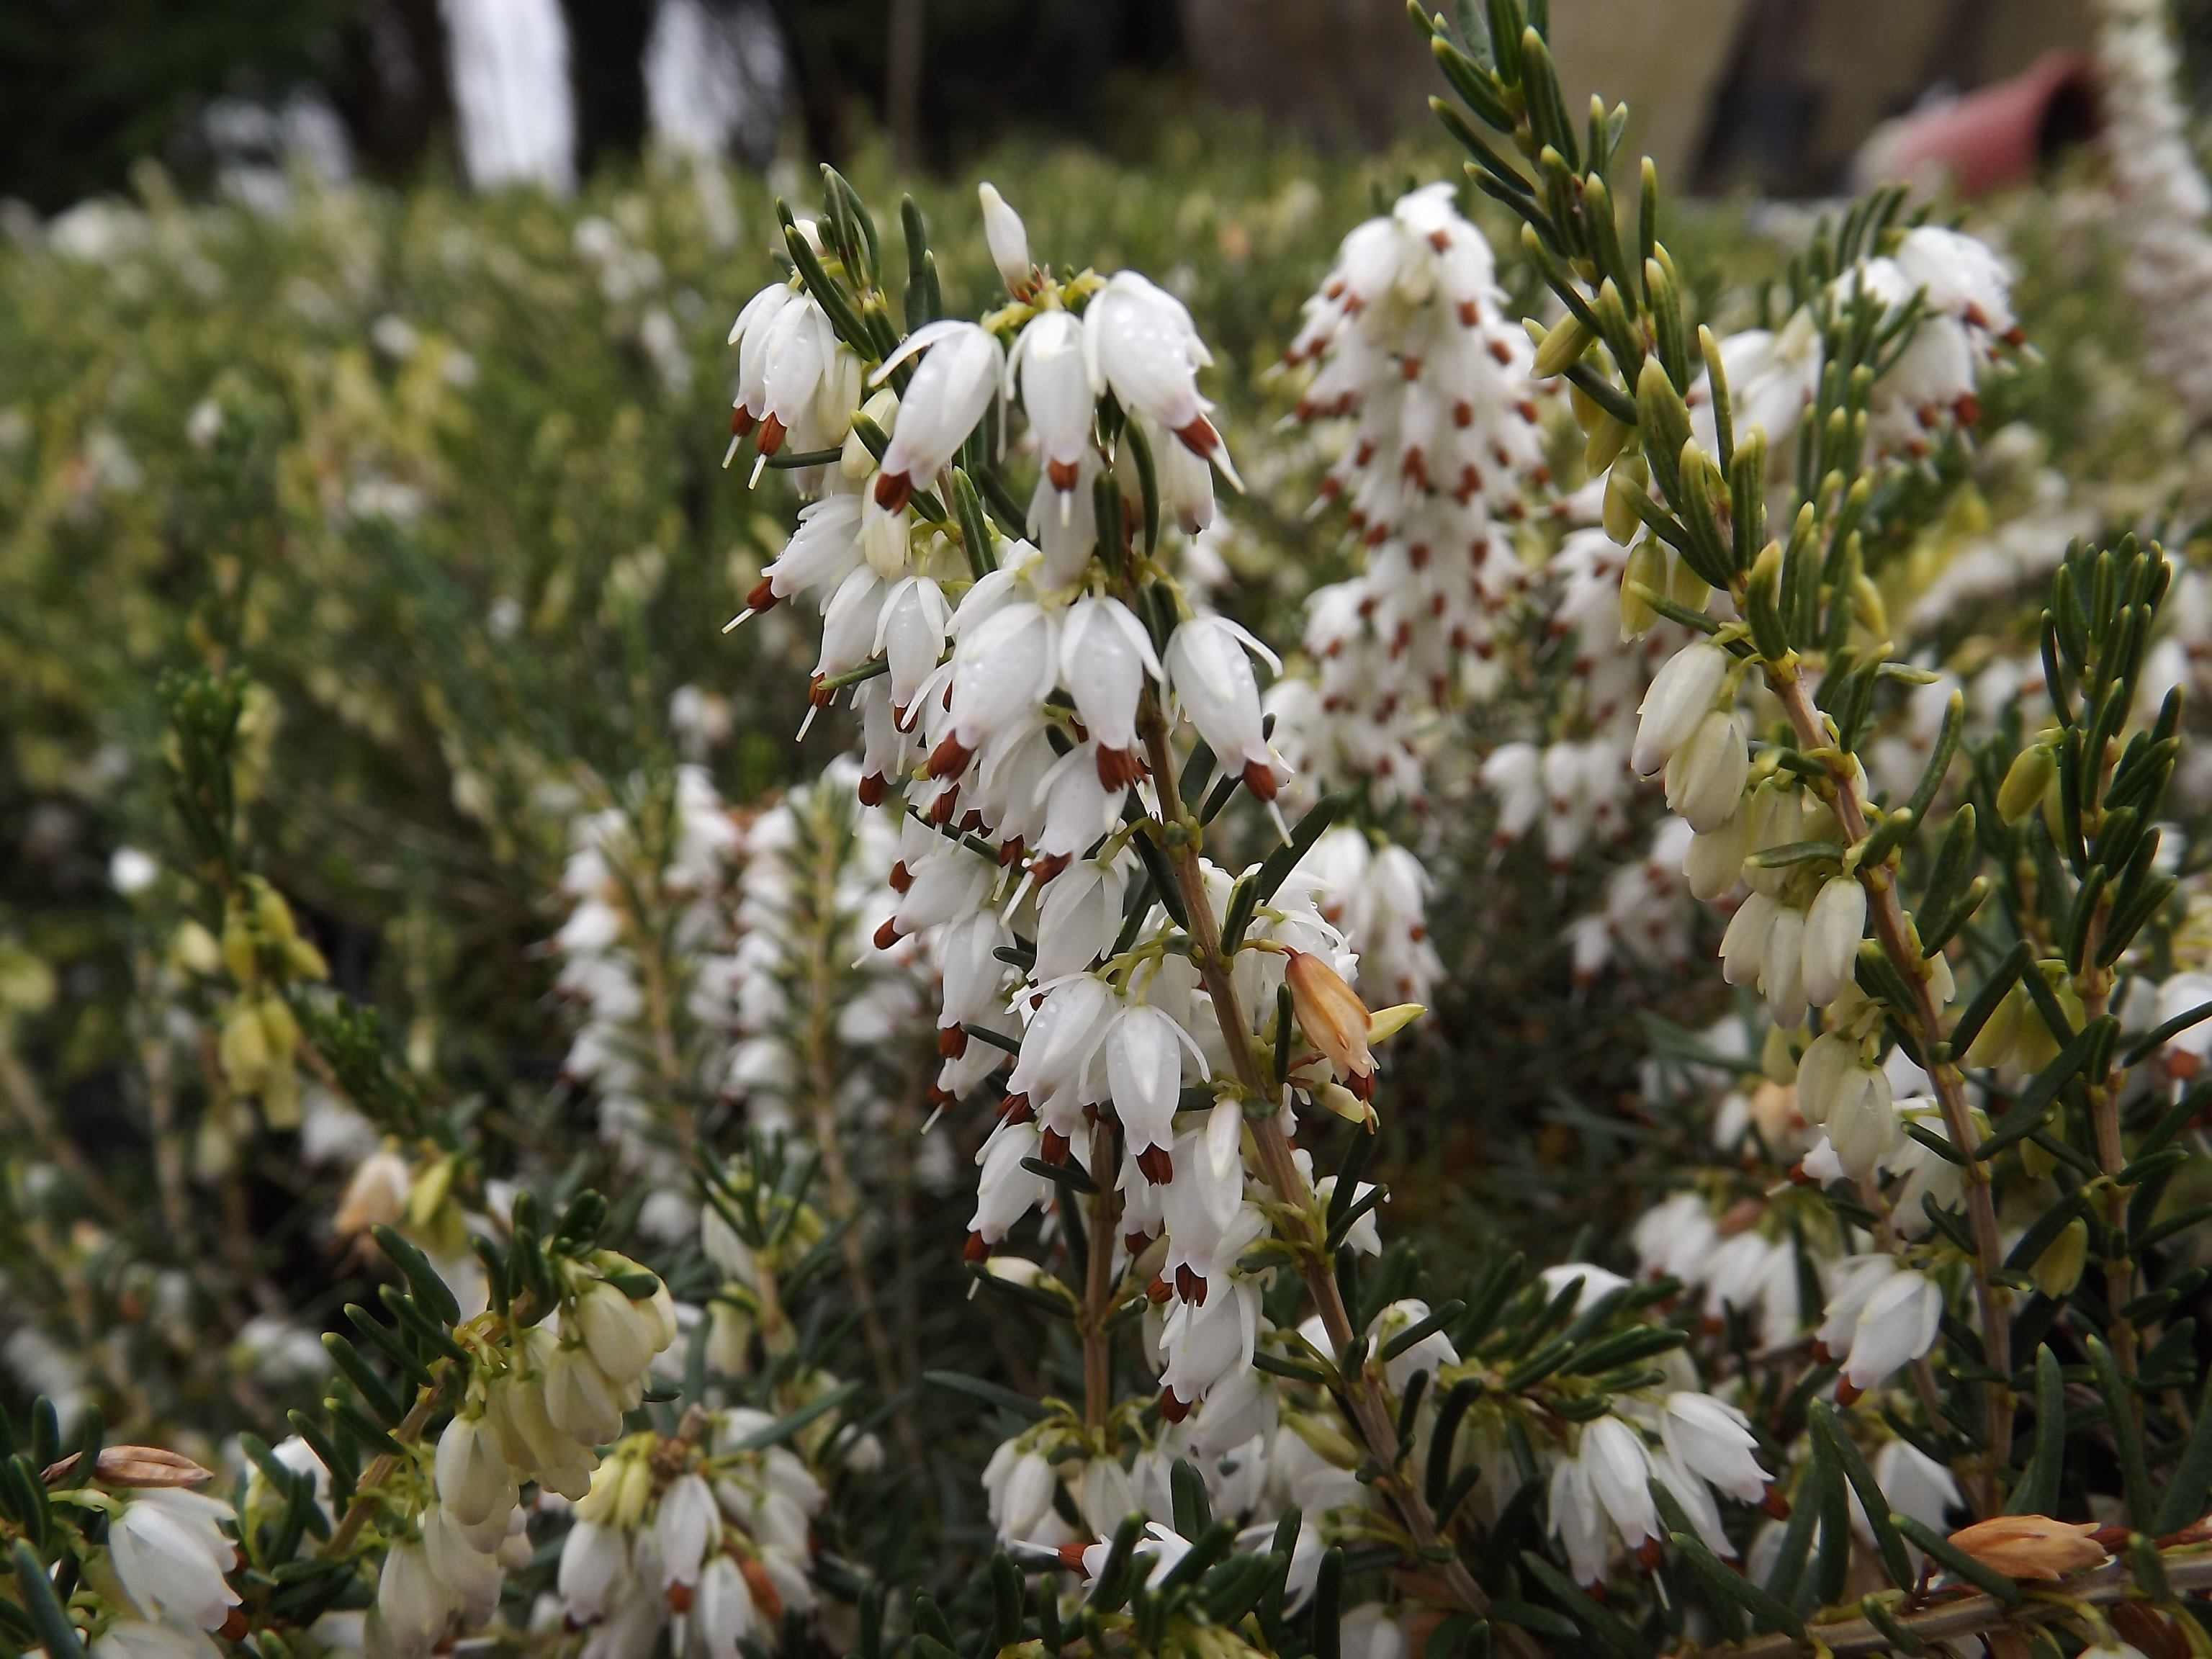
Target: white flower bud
(474, 1481)
(1009, 241)
(1863, 1124)
(1743, 947)
(1714, 863)
(1820, 1074)
(411, 1602)
(1833, 929)
(1782, 967)
(1705, 777)
(1679, 697)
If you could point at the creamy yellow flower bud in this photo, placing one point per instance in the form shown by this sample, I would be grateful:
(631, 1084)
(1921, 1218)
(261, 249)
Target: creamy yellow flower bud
(1645, 570)
(2059, 1269)
(1628, 479)
(2025, 781)
(1994, 1041)
(243, 1049)
(239, 959)
(195, 949)
(1685, 586)
(1560, 349)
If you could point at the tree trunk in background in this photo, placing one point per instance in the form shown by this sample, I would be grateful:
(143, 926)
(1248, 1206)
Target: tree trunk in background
(511, 90)
(903, 96)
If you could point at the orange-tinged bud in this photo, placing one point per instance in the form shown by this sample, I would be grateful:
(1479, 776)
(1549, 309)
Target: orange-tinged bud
(2031, 1545)
(1331, 1015)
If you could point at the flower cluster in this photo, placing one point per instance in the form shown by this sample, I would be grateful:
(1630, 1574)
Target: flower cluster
(1409, 349)
(702, 1534)
(647, 956)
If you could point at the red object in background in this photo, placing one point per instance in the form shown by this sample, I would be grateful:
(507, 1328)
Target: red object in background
(1994, 137)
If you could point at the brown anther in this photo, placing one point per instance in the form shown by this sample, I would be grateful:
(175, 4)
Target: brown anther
(951, 1042)
(1119, 768)
(893, 490)
(233, 1626)
(888, 934)
(1055, 1150)
(901, 877)
(742, 420)
(1157, 1165)
(1015, 1109)
(1259, 779)
(771, 435)
(1172, 1408)
(1775, 1504)
(1190, 1286)
(1198, 437)
(1157, 1290)
(975, 1249)
(949, 758)
(761, 597)
(679, 1598)
(940, 810)
(1063, 475)
(1045, 868)
(874, 789)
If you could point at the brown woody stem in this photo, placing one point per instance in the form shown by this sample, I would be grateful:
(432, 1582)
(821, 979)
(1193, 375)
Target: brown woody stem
(1368, 1408)
(1893, 930)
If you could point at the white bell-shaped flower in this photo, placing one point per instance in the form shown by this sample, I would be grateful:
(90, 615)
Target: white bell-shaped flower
(169, 1549)
(910, 633)
(1213, 678)
(1144, 1050)
(1002, 670)
(1138, 340)
(1781, 966)
(1005, 1192)
(1078, 917)
(822, 551)
(595, 1569)
(685, 1528)
(1079, 806)
(1055, 387)
(1104, 655)
(1057, 1048)
(722, 1613)
(950, 392)
(1711, 1439)
(1206, 1343)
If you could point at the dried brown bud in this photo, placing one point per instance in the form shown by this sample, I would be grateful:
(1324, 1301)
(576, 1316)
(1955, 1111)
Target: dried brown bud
(1331, 1015)
(135, 1465)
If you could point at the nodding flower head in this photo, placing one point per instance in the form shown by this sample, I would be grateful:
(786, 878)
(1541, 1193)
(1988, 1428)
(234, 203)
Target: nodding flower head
(1140, 341)
(951, 389)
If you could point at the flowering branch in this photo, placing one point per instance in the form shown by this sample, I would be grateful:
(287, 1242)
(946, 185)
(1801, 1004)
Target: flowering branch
(1974, 1615)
